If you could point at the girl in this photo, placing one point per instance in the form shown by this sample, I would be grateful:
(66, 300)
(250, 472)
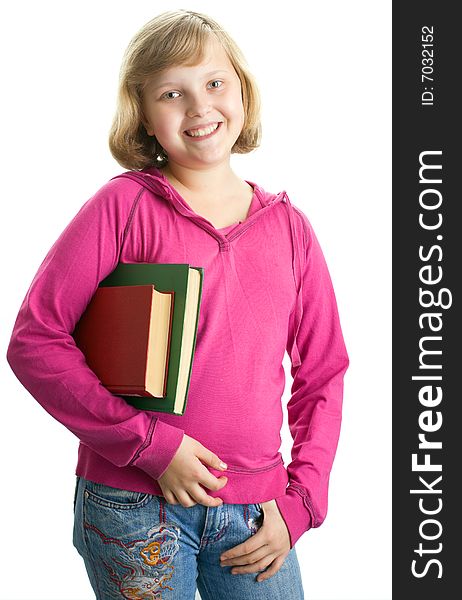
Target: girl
(155, 514)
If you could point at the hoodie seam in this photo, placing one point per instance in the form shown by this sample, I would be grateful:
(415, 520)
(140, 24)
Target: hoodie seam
(243, 229)
(234, 469)
(301, 252)
(131, 215)
(306, 237)
(146, 443)
(307, 503)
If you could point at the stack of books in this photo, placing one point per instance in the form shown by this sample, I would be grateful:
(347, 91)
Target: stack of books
(138, 333)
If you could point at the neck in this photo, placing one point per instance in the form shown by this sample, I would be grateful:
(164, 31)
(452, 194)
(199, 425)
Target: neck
(204, 182)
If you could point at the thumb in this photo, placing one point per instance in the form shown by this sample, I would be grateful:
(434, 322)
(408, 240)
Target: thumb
(212, 460)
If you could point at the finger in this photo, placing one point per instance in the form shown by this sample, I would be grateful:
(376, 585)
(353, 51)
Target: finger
(209, 481)
(210, 458)
(170, 497)
(201, 497)
(257, 555)
(255, 567)
(201, 476)
(273, 569)
(185, 499)
(241, 550)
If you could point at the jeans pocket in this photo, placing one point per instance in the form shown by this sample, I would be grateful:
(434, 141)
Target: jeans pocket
(260, 513)
(111, 497)
(254, 518)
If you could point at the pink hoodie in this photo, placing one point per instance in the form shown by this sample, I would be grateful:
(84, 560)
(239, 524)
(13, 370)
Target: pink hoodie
(266, 289)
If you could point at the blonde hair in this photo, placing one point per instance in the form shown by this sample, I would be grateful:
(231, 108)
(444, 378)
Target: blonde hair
(172, 38)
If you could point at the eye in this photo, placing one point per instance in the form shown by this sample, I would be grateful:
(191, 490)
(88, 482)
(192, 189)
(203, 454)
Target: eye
(167, 97)
(166, 94)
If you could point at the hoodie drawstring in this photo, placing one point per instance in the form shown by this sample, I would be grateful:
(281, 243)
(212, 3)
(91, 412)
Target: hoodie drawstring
(296, 261)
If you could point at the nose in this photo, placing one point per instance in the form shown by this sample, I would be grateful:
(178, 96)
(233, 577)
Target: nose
(198, 105)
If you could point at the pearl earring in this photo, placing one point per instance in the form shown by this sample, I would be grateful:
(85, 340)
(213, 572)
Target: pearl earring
(161, 157)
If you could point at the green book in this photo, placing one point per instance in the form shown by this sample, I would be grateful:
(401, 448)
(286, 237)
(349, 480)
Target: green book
(186, 283)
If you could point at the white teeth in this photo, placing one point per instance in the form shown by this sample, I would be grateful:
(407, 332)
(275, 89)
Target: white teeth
(201, 132)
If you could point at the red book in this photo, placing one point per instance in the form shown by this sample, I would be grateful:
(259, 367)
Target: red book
(125, 335)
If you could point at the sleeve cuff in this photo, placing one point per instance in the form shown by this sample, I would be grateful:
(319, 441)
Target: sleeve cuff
(159, 450)
(295, 514)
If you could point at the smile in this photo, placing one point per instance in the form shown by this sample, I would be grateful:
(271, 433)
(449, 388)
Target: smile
(205, 133)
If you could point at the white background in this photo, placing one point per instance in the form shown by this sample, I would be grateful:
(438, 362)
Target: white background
(324, 71)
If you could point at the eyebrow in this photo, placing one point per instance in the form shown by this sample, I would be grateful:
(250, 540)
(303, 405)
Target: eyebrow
(161, 85)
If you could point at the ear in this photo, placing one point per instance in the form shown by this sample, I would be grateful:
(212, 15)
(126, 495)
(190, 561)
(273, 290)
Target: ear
(145, 123)
(149, 131)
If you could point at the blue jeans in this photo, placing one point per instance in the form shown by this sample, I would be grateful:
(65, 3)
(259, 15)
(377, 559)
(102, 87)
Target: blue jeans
(136, 545)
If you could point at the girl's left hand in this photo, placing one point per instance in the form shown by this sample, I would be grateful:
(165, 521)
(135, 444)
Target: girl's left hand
(269, 546)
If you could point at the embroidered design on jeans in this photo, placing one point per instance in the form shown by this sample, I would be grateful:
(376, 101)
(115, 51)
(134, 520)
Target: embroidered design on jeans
(151, 553)
(145, 566)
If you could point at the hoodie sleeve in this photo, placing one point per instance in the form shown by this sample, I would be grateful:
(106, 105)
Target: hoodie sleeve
(44, 357)
(319, 361)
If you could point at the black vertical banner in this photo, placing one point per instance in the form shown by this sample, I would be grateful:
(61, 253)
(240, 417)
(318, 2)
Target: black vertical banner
(427, 259)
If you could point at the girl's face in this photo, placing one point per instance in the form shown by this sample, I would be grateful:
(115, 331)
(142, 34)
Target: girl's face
(183, 97)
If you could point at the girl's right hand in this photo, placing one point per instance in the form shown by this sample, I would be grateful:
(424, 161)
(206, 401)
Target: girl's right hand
(180, 481)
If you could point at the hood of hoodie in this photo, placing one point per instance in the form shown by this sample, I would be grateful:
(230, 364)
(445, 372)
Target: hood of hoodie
(154, 180)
